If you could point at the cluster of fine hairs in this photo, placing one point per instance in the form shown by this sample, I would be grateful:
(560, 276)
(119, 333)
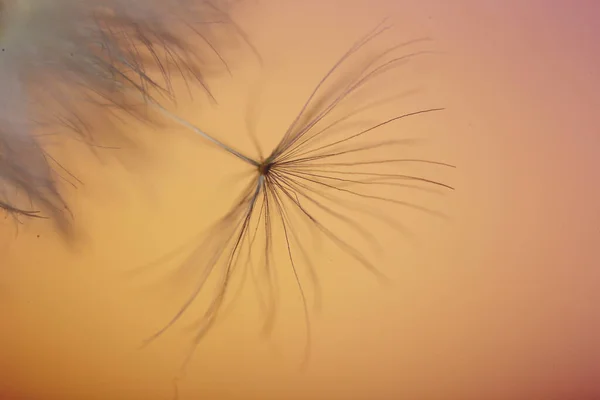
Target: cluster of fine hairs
(331, 164)
(332, 169)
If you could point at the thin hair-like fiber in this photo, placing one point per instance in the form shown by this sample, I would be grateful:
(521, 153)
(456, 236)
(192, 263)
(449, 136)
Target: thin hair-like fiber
(310, 175)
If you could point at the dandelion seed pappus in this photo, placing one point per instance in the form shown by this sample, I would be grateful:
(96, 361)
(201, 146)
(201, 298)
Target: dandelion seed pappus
(311, 173)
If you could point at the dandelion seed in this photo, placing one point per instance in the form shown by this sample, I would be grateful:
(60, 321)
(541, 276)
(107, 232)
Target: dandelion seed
(312, 173)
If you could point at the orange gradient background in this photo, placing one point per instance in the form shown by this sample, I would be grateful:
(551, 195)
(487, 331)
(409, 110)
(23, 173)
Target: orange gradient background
(500, 301)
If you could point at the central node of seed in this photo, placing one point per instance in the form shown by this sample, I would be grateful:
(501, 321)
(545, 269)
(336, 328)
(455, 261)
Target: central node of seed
(264, 168)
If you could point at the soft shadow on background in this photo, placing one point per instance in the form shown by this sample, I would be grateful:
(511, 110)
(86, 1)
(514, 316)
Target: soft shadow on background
(497, 302)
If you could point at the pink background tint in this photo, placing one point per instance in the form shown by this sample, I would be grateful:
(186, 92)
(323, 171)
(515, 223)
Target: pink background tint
(498, 302)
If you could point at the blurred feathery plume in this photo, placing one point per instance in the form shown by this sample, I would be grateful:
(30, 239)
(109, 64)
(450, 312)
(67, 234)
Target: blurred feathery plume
(70, 65)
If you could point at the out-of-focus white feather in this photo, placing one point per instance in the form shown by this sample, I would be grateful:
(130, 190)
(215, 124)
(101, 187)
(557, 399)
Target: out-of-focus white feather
(60, 58)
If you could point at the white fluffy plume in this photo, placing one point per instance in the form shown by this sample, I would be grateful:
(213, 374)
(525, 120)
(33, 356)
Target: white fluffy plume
(65, 63)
